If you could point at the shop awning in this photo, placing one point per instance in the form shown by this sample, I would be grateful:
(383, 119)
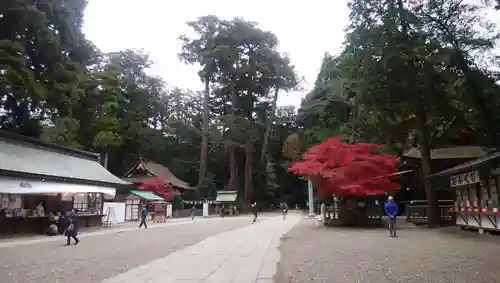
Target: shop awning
(226, 196)
(23, 186)
(147, 195)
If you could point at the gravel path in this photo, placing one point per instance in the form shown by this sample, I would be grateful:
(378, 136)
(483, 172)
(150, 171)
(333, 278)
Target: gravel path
(313, 253)
(102, 256)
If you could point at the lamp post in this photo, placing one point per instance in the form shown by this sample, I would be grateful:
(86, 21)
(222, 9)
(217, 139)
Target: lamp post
(311, 199)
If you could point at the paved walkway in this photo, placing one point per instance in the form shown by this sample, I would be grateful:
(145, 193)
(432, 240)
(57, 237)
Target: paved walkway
(244, 255)
(122, 227)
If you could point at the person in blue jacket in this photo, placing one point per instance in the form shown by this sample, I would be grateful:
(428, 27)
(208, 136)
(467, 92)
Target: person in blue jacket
(192, 213)
(391, 209)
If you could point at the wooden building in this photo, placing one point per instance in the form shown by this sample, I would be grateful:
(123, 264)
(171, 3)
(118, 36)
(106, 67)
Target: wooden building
(413, 191)
(38, 179)
(476, 186)
(145, 169)
(136, 198)
(157, 184)
(442, 159)
(227, 200)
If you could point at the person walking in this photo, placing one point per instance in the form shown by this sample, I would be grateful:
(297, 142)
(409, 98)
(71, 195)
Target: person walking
(144, 216)
(222, 211)
(193, 212)
(254, 211)
(284, 209)
(63, 223)
(391, 210)
(72, 228)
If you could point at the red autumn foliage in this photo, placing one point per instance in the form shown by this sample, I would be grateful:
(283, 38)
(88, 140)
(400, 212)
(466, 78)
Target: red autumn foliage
(159, 187)
(348, 169)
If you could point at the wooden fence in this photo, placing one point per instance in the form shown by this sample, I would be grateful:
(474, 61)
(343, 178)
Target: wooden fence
(416, 212)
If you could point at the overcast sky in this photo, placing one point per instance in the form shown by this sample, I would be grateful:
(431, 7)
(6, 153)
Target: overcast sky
(306, 29)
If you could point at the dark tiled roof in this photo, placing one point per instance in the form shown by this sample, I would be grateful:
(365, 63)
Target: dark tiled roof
(140, 172)
(470, 165)
(22, 155)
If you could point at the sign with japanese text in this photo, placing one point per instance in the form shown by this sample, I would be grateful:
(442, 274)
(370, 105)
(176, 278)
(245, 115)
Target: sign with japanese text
(464, 179)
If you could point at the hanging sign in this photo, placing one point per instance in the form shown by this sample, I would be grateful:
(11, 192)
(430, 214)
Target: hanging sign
(464, 179)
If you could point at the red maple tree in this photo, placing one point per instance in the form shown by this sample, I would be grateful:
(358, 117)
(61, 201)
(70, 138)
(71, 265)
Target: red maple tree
(159, 187)
(341, 169)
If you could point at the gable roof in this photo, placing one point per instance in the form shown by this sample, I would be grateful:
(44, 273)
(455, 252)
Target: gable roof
(457, 152)
(145, 169)
(22, 156)
(226, 196)
(491, 160)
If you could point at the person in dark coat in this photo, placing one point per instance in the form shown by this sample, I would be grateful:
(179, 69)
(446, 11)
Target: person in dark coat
(63, 223)
(254, 211)
(284, 209)
(222, 211)
(144, 216)
(72, 228)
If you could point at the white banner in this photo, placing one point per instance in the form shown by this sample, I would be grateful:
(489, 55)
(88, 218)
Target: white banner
(25, 186)
(464, 179)
(205, 209)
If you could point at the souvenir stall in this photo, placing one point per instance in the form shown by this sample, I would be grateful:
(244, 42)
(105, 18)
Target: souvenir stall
(476, 203)
(136, 199)
(40, 182)
(33, 209)
(476, 186)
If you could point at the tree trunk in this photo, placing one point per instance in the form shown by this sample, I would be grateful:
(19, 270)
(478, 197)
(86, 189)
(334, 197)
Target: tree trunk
(233, 160)
(204, 135)
(233, 169)
(425, 153)
(262, 168)
(268, 126)
(249, 196)
(421, 121)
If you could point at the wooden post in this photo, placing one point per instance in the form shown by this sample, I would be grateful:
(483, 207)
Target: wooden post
(498, 194)
(101, 196)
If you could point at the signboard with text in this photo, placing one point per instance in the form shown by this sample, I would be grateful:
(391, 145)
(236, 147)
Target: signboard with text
(464, 179)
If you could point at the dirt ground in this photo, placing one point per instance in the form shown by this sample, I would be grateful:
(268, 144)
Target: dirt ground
(314, 253)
